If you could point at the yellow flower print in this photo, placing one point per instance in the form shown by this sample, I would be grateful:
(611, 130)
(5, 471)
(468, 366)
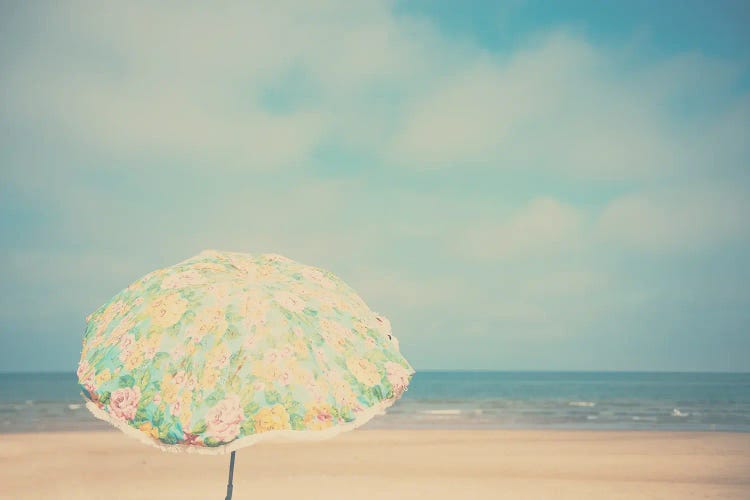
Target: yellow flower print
(317, 276)
(122, 328)
(298, 374)
(318, 417)
(186, 401)
(133, 359)
(271, 419)
(167, 310)
(325, 307)
(112, 310)
(210, 320)
(289, 301)
(253, 299)
(219, 291)
(209, 266)
(301, 350)
(265, 271)
(150, 345)
(209, 378)
(364, 371)
(190, 348)
(266, 370)
(255, 310)
(361, 327)
(168, 390)
(343, 393)
(218, 356)
(150, 430)
(103, 377)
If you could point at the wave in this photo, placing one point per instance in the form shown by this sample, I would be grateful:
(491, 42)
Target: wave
(442, 412)
(586, 404)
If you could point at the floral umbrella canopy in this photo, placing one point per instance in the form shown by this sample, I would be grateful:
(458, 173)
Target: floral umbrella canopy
(227, 349)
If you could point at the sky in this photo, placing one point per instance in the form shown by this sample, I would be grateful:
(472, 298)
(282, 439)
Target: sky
(517, 185)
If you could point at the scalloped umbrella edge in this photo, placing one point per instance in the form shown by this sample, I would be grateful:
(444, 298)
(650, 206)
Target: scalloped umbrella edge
(275, 435)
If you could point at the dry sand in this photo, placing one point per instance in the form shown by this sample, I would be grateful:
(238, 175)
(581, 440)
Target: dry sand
(423, 464)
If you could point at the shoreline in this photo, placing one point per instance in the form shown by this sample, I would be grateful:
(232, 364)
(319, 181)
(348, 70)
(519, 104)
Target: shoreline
(104, 427)
(371, 463)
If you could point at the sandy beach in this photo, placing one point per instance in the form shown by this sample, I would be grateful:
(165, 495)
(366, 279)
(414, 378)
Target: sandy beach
(388, 463)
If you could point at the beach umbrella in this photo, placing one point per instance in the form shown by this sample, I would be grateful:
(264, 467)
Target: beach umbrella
(226, 349)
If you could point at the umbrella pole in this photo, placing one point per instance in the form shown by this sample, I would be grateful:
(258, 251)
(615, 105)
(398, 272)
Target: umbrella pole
(231, 474)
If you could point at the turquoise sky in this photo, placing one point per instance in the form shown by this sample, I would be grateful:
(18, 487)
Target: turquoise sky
(516, 185)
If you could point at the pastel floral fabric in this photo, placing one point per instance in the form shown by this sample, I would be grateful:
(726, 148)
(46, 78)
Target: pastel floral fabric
(225, 345)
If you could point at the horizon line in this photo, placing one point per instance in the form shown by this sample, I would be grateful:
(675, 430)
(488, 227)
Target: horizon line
(467, 370)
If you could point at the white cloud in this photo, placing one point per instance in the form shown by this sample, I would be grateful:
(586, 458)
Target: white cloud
(472, 116)
(563, 106)
(544, 226)
(677, 219)
(145, 80)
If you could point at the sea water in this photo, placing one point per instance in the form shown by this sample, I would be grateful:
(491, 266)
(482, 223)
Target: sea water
(465, 399)
(575, 400)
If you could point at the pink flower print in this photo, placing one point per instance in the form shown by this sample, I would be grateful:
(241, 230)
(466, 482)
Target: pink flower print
(324, 415)
(250, 341)
(398, 376)
(94, 396)
(289, 301)
(126, 344)
(316, 391)
(222, 360)
(284, 377)
(85, 373)
(180, 378)
(271, 356)
(178, 352)
(150, 351)
(123, 403)
(287, 352)
(182, 280)
(223, 421)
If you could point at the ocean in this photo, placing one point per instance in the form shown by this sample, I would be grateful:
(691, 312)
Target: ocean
(470, 400)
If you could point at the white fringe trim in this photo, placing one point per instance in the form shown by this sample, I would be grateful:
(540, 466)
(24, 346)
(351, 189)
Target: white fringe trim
(276, 436)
